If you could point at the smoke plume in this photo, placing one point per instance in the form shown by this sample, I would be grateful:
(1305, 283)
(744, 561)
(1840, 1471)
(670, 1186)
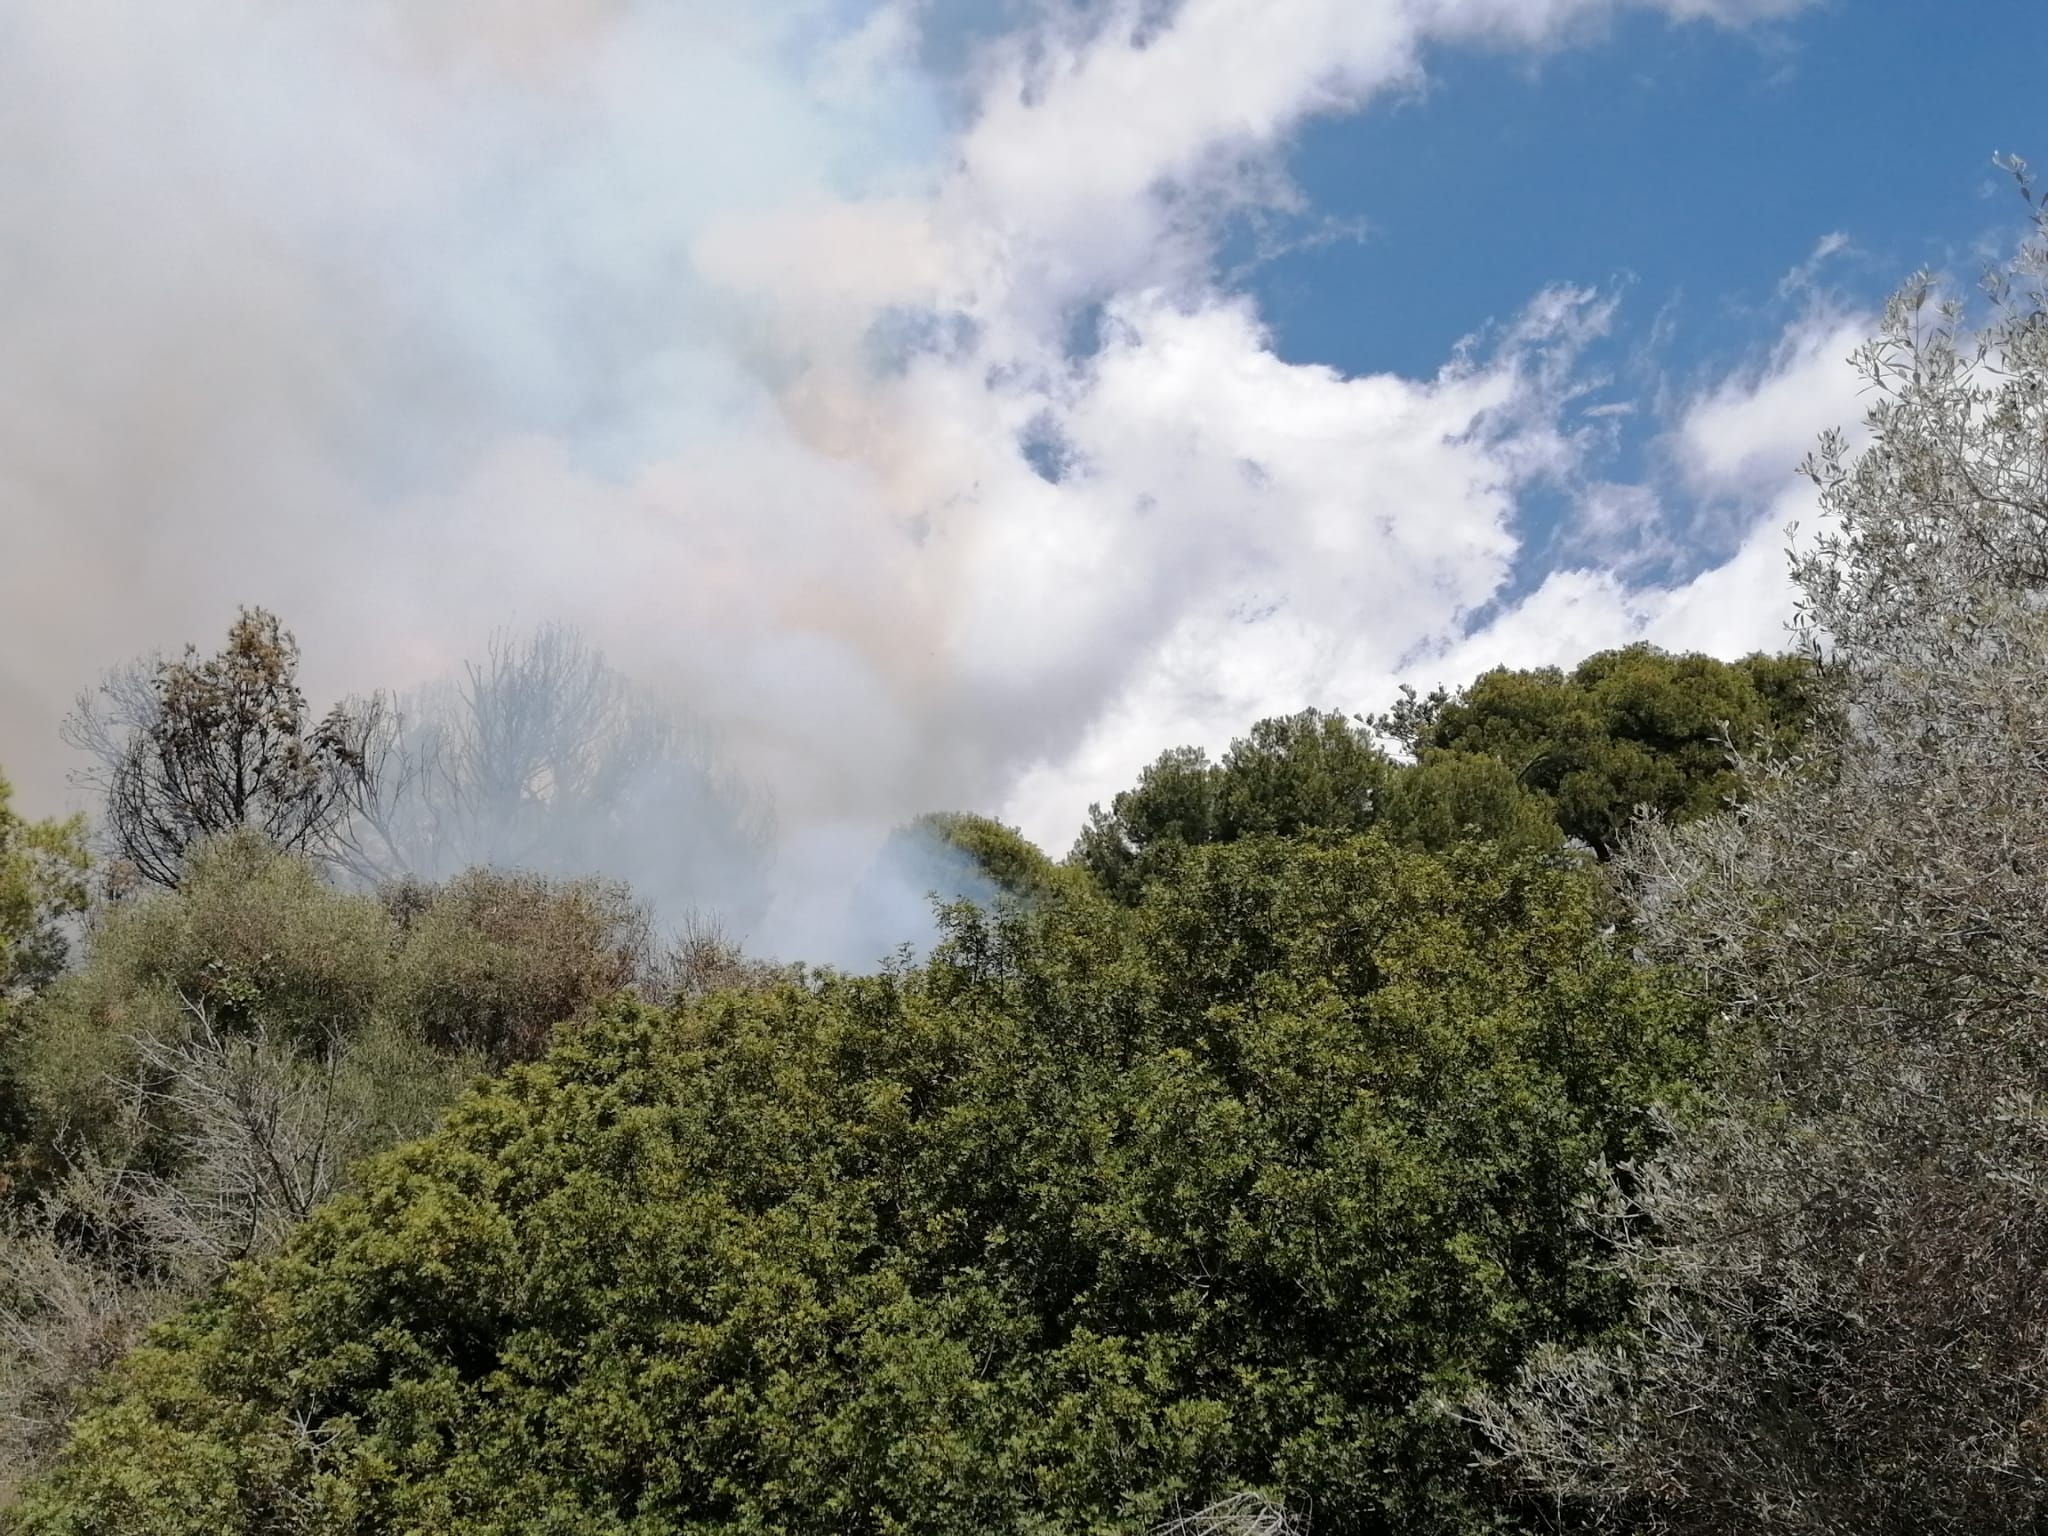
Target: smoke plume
(893, 420)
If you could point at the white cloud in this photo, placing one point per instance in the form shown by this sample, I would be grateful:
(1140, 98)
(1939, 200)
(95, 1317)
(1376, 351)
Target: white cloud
(1801, 277)
(1303, 530)
(1747, 436)
(1728, 610)
(1735, 447)
(1104, 144)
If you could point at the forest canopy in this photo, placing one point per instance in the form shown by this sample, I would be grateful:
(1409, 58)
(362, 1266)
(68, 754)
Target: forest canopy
(1083, 1216)
(1274, 1135)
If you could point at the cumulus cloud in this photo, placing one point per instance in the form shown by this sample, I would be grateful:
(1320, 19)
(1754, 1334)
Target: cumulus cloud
(1747, 436)
(728, 334)
(1733, 452)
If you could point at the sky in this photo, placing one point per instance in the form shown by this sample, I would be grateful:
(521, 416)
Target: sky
(952, 404)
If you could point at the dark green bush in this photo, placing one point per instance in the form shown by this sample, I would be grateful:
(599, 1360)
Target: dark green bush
(222, 1057)
(1095, 1212)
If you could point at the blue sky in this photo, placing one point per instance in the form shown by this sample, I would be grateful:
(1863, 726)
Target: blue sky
(954, 403)
(1690, 171)
(1689, 165)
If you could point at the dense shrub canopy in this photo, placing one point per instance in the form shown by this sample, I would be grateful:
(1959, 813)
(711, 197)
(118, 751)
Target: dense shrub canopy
(492, 961)
(256, 944)
(1095, 1211)
(223, 1055)
(1313, 771)
(1523, 759)
(1630, 727)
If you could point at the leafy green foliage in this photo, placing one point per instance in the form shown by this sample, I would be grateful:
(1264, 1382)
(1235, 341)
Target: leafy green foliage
(963, 857)
(1094, 1211)
(253, 938)
(1290, 774)
(1522, 759)
(1003, 856)
(1453, 797)
(42, 885)
(226, 1052)
(494, 960)
(1629, 727)
(258, 943)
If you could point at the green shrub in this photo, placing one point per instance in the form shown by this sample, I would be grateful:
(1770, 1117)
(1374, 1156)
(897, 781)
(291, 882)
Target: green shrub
(42, 886)
(494, 959)
(225, 1054)
(1310, 772)
(1628, 727)
(1453, 797)
(1094, 1212)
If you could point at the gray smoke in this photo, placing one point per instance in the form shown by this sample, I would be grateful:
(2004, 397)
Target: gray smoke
(387, 316)
(733, 337)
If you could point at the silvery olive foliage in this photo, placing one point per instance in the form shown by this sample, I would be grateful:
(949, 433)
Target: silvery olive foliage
(1842, 1254)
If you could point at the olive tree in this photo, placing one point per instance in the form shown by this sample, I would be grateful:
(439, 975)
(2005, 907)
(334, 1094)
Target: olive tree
(1842, 1256)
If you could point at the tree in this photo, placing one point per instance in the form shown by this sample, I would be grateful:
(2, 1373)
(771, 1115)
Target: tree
(222, 744)
(1096, 1213)
(946, 857)
(989, 851)
(1312, 771)
(1452, 797)
(1629, 727)
(544, 758)
(1841, 1253)
(1521, 758)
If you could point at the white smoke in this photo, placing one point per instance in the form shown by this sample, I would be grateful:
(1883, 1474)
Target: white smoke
(734, 336)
